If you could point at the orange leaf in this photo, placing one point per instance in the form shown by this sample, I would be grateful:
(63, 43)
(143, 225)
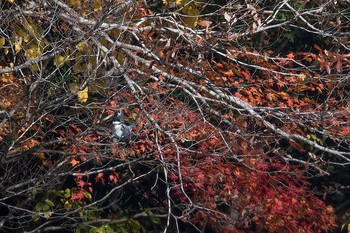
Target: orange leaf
(142, 147)
(290, 55)
(29, 144)
(74, 162)
(204, 23)
(229, 73)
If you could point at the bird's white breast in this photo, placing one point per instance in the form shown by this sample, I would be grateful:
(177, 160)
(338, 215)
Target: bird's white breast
(117, 128)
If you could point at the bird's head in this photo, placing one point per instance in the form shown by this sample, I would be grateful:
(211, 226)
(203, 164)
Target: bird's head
(118, 116)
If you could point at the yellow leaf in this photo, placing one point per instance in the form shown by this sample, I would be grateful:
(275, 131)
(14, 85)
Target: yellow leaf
(92, 62)
(6, 51)
(79, 67)
(59, 60)
(97, 87)
(190, 21)
(82, 46)
(47, 215)
(97, 9)
(83, 95)
(31, 53)
(105, 43)
(74, 3)
(2, 42)
(119, 58)
(192, 11)
(17, 46)
(34, 67)
(26, 38)
(115, 33)
(21, 33)
(10, 1)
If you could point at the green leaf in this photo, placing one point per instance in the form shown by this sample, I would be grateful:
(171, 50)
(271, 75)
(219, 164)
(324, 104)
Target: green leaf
(49, 203)
(122, 229)
(95, 230)
(107, 229)
(153, 219)
(290, 36)
(46, 208)
(68, 205)
(35, 217)
(38, 207)
(67, 193)
(135, 225)
(87, 195)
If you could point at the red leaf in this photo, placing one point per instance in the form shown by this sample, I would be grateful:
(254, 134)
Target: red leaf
(113, 178)
(99, 178)
(201, 176)
(77, 196)
(81, 183)
(142, 147)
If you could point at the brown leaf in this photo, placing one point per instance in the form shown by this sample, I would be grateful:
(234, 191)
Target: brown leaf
(339, 66)
(328, 69)
(317, 47)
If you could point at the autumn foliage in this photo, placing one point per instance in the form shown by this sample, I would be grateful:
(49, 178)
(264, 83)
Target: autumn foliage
(239, 111)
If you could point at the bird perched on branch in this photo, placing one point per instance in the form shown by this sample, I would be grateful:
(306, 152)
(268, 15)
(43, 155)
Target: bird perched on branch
(120, 130)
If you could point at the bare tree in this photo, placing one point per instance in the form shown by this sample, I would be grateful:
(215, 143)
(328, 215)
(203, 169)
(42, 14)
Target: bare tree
(247, 84)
